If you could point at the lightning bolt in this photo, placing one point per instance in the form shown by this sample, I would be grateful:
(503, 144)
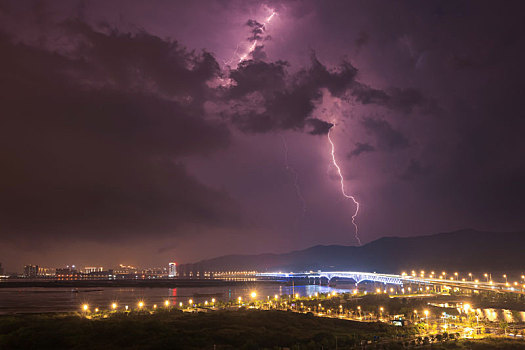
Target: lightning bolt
(254, 44)
(342, 181)
(295, 177)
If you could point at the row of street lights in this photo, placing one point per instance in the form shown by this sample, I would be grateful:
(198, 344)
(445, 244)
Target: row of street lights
(141, 305)
(455, 276)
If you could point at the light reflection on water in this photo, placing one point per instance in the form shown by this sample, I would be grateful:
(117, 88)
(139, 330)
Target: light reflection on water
(495, 315)
(27, 300)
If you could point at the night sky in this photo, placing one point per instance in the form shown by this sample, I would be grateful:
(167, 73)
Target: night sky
(132, 132)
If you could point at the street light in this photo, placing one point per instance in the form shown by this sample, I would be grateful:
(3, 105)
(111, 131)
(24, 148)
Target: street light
(114, 306)
(190, 302)
(253, 295)
(141, 304)
(85, 307)
(466, 307)
(166, 303)
(426, 314)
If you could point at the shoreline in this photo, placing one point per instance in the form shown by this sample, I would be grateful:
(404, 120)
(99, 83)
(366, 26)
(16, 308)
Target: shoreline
(158, 283)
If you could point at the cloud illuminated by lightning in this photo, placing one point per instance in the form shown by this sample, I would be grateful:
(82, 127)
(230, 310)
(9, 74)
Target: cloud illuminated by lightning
(254, 44)
(342, 181)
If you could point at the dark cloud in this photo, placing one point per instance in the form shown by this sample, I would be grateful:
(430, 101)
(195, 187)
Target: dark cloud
(361, 148)
(90, 140)
(404, 100)
(361, 40)
(367, 95)
(319, 127)
(257, 76)
(265, 97)
(258, 53)
(140, 62)
(256, 30)
(414, 170)
(387, 138)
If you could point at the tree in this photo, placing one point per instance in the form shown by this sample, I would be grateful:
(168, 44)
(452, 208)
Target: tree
(504, 325)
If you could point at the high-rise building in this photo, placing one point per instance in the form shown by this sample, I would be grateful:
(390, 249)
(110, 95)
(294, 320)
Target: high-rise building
(172, 271)
(31, 271)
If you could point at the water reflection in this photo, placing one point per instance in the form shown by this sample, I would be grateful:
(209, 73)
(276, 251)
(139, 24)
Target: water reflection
(24, 300)
(496, 315)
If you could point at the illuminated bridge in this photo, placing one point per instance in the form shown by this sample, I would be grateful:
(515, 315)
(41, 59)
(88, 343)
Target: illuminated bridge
(359, 277)
(356, 276)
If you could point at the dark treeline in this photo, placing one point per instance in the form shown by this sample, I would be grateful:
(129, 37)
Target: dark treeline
(241, 329)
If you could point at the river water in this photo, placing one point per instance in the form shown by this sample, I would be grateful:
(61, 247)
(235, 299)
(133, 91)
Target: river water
(34, 300)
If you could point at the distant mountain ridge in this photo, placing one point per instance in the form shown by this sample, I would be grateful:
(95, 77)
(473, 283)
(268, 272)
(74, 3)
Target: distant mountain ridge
(463, 250)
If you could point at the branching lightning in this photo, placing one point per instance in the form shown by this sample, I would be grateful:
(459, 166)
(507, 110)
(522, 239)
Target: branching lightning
(259, 28)
(255, 41)
(295, 177)
(342, 181)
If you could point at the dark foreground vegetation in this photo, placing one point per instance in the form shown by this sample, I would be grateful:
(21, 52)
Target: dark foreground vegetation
(480, 344)
(242, 329)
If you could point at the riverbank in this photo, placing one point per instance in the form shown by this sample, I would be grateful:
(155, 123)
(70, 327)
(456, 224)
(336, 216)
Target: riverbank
(124, 283)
